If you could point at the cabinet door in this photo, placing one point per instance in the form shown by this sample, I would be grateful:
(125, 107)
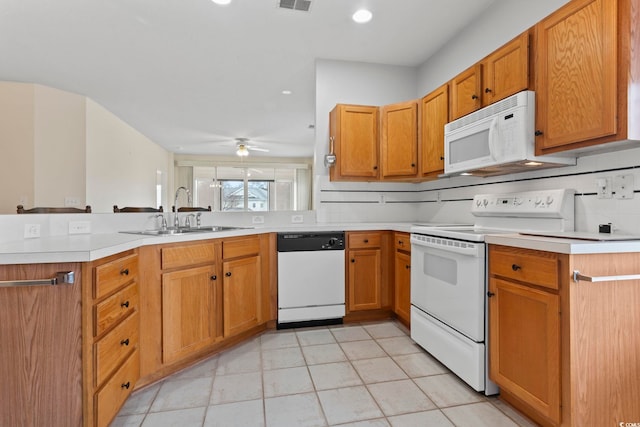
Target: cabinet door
(466, 92)
(242, 294)
(524, 344)
(506, 71)
(400, 139)
(364, 279)
(189, 315)
(403, 286)
(356, 142)
(576, 74)
(434, 114)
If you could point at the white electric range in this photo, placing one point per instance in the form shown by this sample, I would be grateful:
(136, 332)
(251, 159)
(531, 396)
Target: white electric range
(449, 276)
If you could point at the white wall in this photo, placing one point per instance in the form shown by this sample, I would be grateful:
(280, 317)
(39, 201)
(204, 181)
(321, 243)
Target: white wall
(122, 163)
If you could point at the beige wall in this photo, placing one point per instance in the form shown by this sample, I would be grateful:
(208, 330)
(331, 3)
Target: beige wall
(16, 145)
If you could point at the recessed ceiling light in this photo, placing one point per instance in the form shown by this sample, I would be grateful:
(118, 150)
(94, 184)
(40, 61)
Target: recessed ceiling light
(286, 92)
(362, 16)
(221, 2)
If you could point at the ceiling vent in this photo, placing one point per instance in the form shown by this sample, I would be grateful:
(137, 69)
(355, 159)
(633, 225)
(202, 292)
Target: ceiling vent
(302, 5)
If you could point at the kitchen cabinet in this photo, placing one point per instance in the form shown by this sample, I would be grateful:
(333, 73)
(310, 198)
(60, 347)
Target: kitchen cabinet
(201, 296)
(501, 74)
(40, 348)
(558, 347)
(368, 268)
(353, 133)
(586, 69)
(402, 274)
(111, 331)
(399, 140)
(434, 114)
(242, 285)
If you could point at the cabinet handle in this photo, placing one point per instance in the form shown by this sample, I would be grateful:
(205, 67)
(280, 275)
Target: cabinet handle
(125, 304)
(124, 342)
(126, 385)
(63, 277)
(228, 274)
(353, 260)
(490, 294)
(515, 267)
(214, 277)
(474, 96)
(578, 277)
(539, 133)
(124, 272)
(487, 90)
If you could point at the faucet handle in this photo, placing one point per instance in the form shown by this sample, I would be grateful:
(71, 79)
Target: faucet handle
(198, 215)
(164, 221)
(187, 221)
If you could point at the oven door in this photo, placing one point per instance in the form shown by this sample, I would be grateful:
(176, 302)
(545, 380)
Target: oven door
(448, 282)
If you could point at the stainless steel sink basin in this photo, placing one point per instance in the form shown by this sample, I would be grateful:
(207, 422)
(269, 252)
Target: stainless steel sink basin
(182, 230)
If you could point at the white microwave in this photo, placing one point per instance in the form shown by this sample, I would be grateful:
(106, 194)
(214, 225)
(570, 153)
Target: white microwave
(497, 139)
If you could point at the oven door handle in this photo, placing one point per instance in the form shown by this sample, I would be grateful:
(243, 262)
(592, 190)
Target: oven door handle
(469, 249)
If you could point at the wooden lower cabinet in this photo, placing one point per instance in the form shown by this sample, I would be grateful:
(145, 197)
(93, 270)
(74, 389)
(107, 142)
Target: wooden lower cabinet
(402, 275)
(242, 294)
(561, 350)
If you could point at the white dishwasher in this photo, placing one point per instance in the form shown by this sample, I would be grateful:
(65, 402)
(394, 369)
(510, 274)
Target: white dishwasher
(311, 278)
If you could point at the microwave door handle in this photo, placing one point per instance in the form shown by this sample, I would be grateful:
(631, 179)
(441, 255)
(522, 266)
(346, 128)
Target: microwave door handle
(493, 132)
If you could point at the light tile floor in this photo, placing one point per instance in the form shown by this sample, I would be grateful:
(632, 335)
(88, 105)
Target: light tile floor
(369, 374)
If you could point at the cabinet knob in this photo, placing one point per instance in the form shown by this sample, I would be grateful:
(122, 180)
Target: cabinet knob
(125, 304)
(539, 132)
(126, 385)
(214, 277)
(124, 272)
(441, 157)
(407, 267)
(413, 165)
(487, 90)
(400, 242)
(366, 240)
(375, 168)
(474, 96)
(515, 267)
(124, 342)
(353, 260)
(490, 294)
(228, 274)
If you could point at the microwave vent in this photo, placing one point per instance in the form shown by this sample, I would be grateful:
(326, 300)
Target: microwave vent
(485, 112)
(302, 5)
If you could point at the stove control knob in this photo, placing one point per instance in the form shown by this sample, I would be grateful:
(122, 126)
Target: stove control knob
(549, 200)
(485, 202)
(538, 201)
(332, 242)
(478, 203)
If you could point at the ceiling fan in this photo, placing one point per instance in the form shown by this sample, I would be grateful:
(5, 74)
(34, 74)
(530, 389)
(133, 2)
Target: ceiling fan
(243, 148)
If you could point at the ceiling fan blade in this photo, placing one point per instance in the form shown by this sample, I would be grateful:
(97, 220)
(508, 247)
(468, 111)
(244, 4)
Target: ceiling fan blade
(251, 148)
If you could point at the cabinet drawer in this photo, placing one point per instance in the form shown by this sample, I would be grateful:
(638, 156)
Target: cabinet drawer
(185, 255)
(111, 350)
(114, 308)
(240, 247)
(403, 242)
(364, 240)
(534, 267)
(109, 400)
(114, 274)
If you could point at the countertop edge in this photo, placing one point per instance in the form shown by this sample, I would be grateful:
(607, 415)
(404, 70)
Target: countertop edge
(563, 245)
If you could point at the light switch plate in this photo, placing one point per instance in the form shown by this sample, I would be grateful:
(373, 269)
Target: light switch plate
(297, 219)
(258, 219)
(31, 231)
(79, 227)
(623, 186)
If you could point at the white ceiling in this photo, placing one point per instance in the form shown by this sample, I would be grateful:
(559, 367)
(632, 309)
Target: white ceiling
(192, 75)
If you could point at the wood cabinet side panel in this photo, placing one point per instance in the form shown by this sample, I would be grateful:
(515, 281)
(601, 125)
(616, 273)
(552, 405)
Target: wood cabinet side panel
(41, 348)
(150, 285)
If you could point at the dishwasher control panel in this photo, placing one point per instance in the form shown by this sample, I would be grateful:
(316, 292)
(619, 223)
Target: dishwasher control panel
(311, 241)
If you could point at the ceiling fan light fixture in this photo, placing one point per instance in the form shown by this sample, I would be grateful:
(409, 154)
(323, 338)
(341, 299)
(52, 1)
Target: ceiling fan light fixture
(362, 16)
(221, 2)
(242, 150)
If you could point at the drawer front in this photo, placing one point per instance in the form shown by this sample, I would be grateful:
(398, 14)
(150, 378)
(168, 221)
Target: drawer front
(364, 240)
(534, 267)
(240, 247)
(186, 255)
(114, 308)
(111, 350)
(114, 274)
(403, 242)
(111, 397)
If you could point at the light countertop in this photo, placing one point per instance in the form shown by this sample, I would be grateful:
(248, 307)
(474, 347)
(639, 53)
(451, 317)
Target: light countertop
(89, 247)
(569, 243)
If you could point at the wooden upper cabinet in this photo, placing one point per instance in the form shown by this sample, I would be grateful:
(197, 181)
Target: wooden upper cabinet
(466, 92)
(506, 71)
(400, 139)
(587, 65)
(354, 132)
(434, 114)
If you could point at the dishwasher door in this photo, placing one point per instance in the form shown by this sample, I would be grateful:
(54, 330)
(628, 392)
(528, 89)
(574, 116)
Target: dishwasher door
(311, 284)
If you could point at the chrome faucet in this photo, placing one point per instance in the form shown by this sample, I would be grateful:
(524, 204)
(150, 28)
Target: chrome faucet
(176, 222)
(163, 226)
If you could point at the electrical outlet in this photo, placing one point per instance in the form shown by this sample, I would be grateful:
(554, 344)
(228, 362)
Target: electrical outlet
(604, 190)
(258, 219)
(297, 219)
(623, 186)
(70, 201)
(31, 231)
(79, 227)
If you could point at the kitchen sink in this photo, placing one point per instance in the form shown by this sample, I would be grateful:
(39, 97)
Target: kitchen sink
(183, 230)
